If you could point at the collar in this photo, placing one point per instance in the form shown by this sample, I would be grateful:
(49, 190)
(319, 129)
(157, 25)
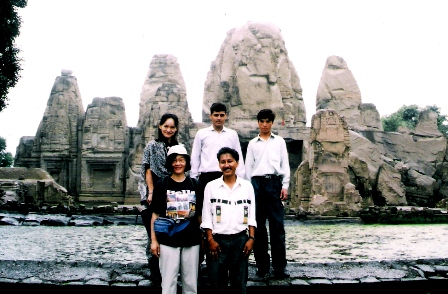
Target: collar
(222, 183)
(224, 129)
(272, 135)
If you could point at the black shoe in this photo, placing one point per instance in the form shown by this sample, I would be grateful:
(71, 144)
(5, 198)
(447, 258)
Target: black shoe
(281, 274)
(261, 272)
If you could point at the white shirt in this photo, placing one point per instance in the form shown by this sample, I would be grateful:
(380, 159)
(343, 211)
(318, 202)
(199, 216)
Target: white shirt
(206, 145)
(236, 206)
(268, 157)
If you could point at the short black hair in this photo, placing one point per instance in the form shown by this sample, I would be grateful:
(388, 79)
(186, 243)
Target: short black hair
(228, 150)
(170, 159)
(266, 113)
(218, 107)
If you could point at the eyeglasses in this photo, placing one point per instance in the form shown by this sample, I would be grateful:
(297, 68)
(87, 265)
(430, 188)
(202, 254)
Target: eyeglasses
(181, 160)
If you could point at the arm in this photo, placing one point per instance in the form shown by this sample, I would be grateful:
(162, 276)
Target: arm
(240, 170)
(155, 247)
(249, 161)
(195, 156)
(150, 184)
(250, 242)
(285, 167)
(252, 221)
(213, 246)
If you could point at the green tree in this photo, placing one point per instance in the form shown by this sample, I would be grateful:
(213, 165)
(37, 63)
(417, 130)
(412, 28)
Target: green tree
(407, 116)
(10, 67)
(5, 157)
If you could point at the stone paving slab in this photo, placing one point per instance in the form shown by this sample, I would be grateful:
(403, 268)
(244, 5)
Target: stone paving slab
(351, 277)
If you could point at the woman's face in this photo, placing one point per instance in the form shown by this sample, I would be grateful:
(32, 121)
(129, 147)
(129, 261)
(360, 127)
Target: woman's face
(168, 128)
(179, 164)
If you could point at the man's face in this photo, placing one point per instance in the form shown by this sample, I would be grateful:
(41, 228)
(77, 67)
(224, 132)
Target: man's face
(265, 126)
(218, 118)
(227, 164)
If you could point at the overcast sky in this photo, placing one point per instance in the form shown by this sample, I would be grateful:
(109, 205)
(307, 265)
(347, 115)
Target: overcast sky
(396, 50)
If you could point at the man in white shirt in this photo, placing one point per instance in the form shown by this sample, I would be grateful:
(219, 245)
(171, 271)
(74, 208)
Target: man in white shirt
(228, 215)
(207, 143)
(267, 167)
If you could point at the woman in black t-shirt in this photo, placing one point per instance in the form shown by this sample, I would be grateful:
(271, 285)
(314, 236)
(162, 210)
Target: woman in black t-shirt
(178, 197)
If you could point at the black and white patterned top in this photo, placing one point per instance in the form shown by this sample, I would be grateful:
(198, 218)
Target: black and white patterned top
(154, 158)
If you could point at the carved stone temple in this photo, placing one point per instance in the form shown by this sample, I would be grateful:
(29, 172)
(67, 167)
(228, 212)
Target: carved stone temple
(342, 163)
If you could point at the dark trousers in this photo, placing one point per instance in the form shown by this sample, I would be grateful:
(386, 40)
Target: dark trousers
(204, 178)
(153, 261)
(231, 265)
(269, 207)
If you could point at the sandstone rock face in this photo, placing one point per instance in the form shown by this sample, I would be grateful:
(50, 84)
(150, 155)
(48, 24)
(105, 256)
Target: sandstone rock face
(163, 91)
(31, 185)
(342, 163)
(370, 117)
(56, 145)
(427, 124)
(104, 148)
(391, 189)
(252, 71)
(339, 91)
(328, 164)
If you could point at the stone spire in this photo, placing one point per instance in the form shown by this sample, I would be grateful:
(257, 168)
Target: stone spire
(252, 71)
(56, 142)
(163, 91)
(339, 91)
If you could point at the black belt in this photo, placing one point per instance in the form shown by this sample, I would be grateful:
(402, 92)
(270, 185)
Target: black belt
(231, 235)
(211, 173)
(272, 176)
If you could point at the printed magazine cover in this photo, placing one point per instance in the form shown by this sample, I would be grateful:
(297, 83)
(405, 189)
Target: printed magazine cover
(180, 204)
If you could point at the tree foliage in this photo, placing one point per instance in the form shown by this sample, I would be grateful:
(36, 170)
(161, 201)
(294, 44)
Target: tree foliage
(10, 67)
(5, 157)
(407, 116)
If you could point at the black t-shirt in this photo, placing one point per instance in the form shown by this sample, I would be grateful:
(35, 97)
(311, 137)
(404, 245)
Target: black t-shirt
(179, 201)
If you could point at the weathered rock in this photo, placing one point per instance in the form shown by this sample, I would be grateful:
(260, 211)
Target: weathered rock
(328, 164)
(31, 185)
(252, 71)
(339, 91)
(56, 143)
(390, 187)
(163, 92)
(427, 124)
(370, 117)
(95, 156)
(103, 153)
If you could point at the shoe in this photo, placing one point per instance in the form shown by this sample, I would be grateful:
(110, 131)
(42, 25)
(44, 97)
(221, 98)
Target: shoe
(262, 272)
(281, 274)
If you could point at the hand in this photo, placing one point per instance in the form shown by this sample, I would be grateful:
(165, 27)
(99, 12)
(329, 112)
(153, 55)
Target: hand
(213, 246)
(284, 194)
(155, 248)
(248, 247)
(149, 198)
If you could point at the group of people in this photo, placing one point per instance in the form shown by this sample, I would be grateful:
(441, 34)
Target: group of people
(226, 200)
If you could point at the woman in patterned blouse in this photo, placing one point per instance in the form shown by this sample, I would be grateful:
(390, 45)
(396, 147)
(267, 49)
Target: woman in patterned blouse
(152, 169)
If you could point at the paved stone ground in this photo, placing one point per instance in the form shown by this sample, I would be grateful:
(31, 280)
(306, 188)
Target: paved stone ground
(415, 276)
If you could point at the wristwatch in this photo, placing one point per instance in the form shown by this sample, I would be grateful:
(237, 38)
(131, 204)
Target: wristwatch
(252, 237)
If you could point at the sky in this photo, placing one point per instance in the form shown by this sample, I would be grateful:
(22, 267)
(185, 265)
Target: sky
(397, 50)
